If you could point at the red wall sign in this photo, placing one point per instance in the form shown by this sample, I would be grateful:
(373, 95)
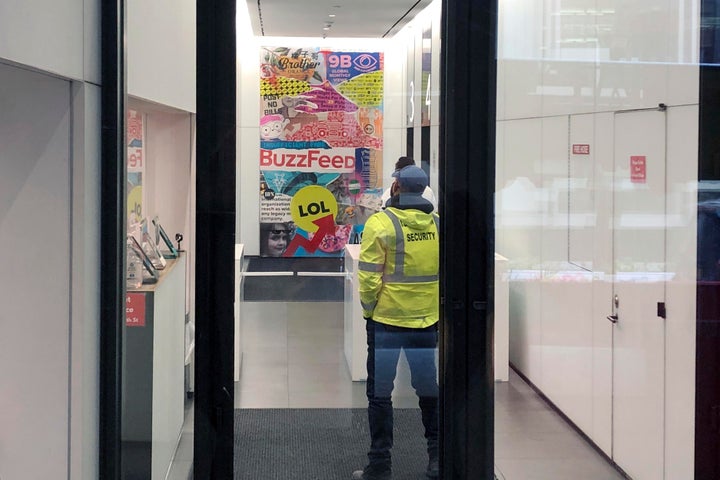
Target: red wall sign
(581, 149)
(638, 169)
(135, 309)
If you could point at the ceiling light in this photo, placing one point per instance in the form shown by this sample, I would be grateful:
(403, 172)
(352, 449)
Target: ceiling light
(331, 15)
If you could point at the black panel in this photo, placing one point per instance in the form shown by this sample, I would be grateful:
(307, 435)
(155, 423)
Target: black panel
(709, 33)
(425, 149)
(112, 234)
(467, 182)
(410, 142)
(707, 390)
(294, 287)
(215, 239)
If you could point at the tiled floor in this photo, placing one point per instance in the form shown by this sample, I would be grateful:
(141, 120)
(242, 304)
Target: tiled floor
(293, 358)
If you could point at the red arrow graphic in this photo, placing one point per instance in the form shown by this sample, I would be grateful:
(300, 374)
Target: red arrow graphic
(326, 226)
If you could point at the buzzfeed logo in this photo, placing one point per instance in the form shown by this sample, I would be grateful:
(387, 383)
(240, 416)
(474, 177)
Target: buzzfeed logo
(308, 160)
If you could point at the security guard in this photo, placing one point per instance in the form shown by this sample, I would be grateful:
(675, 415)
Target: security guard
(398, 273)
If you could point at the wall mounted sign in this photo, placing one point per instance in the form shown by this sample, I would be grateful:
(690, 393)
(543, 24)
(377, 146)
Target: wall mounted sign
(638, 169)
(135, 309)
(321, 142)
(581, 149)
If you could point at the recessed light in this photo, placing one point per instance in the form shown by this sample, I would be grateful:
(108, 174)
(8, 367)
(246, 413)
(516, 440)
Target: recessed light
(326, 28)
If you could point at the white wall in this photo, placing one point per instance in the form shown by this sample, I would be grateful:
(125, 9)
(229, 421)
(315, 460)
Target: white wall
(49, 236)
(50, 35)
(247, 188)
(161, 52)
(85, 277)
(553, 209)
(409, 39)
(36, 246)
(680, 295)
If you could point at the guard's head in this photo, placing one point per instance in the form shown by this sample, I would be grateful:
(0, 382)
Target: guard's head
(411, 179)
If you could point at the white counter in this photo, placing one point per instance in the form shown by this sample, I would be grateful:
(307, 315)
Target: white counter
(154, 372)
(355, 336)
(239, 247)
(502, 320)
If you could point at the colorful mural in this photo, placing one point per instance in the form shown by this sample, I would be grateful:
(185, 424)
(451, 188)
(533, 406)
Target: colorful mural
(321, 143)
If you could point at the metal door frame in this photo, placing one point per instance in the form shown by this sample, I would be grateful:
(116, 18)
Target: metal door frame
(112, 235)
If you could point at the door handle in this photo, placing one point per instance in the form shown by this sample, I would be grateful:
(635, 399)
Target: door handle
(616, 304)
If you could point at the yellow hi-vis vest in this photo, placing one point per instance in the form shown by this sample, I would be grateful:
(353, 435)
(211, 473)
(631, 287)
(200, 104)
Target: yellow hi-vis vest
(398, 268)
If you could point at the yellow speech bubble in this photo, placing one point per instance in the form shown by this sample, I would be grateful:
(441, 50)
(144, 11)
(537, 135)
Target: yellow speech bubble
(311, 203)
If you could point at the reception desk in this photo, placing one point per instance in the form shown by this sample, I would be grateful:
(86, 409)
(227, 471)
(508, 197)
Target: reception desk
(354, 328)
(354, 324)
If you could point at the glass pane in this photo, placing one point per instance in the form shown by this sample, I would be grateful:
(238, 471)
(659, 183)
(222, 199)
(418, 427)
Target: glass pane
(330, 131)
(157, 355)
(596, 211)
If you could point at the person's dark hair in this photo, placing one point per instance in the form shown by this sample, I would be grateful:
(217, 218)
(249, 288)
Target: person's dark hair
(403, 162)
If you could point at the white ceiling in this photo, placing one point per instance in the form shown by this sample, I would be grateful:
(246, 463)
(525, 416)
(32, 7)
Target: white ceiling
(353, 18)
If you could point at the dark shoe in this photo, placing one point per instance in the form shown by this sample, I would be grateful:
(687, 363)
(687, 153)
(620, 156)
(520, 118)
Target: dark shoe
(433, 469)
(373, 473)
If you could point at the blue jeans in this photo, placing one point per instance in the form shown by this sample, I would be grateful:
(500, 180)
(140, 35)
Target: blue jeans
(384, 345)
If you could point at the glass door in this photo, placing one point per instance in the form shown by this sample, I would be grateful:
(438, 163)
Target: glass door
(321, 377)
(288, 100)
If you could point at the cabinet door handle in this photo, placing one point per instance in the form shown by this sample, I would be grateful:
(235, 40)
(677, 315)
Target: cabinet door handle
(613, 318)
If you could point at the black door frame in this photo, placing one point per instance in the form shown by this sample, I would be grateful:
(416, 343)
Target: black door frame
(112, 235)
(215, 239)
(467, 187)
(467, 182)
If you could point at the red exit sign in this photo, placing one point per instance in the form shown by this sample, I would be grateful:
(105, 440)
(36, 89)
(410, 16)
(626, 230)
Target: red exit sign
(581, 149)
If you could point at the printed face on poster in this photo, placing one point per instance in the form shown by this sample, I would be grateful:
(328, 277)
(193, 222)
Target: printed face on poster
(321, 142)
